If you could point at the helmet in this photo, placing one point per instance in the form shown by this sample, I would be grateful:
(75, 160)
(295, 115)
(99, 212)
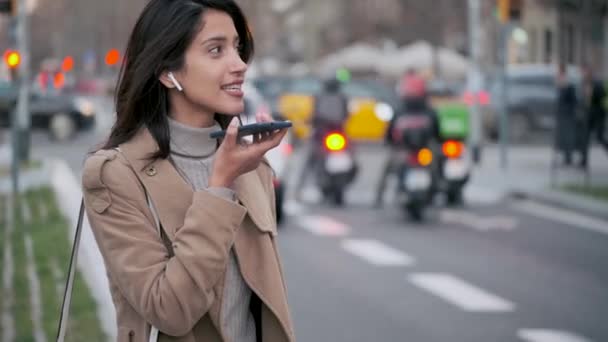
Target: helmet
(412, 86)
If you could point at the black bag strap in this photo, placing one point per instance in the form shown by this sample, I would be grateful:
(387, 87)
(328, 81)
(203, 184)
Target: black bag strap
(67, 295)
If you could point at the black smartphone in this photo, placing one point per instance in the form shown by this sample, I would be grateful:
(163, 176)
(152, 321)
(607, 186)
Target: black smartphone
(255, 128)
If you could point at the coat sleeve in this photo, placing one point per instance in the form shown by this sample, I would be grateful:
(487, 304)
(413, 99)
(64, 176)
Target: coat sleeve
(171, 293)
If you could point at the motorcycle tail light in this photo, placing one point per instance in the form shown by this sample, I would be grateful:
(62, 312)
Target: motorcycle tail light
(425, 157)
(453, 149)
(335, 142)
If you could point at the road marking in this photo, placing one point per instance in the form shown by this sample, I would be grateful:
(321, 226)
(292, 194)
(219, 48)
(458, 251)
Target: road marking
(483, 224)
(377, 253)
(323, 226)
(459, 293)
(563, 216)
(541, 335)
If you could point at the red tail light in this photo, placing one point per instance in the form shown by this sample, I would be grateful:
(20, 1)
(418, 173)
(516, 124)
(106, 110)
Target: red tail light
(453, 149)
(335, 142)
(484, 98)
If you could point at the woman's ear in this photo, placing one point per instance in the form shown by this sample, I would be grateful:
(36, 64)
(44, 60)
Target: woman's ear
(167, 78)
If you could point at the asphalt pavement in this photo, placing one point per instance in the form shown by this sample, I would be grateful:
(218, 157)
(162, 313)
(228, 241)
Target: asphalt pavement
(494, 269)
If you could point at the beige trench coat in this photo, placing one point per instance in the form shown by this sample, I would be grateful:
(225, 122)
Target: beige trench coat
(176, 283)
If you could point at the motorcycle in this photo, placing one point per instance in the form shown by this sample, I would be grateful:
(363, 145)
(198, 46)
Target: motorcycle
(336, 167)
(415, 164)
(455, 164)
(455, 170)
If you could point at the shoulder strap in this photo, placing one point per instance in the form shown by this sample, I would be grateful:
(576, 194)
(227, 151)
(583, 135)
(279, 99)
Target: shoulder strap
(67, 295)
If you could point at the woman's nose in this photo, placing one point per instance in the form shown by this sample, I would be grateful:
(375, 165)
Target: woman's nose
(238, 65)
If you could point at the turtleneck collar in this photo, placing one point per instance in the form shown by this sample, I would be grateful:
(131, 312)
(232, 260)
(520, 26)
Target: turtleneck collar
(191, 141)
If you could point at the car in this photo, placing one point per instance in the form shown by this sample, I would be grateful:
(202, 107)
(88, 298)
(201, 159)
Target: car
(61, 114)
(531, 98)
(279, 157)
(371, 106)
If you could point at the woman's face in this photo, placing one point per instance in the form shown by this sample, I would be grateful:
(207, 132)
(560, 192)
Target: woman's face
(213, 73)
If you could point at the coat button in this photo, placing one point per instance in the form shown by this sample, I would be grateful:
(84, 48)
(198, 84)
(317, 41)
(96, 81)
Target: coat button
(151, 171)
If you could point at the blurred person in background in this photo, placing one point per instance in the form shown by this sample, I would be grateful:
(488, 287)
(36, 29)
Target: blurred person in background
(171, 208)
(330, 113)
(414, 95)
(566, 132)
(593, 97)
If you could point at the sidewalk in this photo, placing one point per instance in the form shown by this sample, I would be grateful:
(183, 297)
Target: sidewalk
(529, 176)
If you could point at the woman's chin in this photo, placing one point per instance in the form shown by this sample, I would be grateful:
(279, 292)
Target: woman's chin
(232, 111)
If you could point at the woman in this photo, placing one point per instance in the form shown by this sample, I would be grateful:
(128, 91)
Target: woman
(186, 224)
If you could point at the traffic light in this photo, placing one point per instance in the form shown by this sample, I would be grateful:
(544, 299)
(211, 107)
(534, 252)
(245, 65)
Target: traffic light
(112, 57)
(68, 64)
(12, 59)
(508, 10)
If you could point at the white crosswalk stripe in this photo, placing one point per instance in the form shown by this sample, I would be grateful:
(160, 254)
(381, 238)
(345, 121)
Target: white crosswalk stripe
(460, 293)
(323, 226)
(563, 216)
(377, 253)
(543, 335)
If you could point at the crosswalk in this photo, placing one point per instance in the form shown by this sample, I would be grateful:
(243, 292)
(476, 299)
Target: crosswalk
(448, 288)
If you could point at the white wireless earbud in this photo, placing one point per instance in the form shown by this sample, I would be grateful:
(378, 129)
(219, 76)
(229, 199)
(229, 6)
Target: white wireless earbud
(175, 83)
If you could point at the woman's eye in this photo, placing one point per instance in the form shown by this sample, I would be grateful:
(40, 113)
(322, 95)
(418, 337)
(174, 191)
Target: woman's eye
(215, 50)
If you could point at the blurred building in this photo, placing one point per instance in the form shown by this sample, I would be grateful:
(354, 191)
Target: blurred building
(569, 31)
(295, 31)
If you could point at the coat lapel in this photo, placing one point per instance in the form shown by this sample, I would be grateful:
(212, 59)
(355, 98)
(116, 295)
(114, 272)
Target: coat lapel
(251, 193)
(170, 194)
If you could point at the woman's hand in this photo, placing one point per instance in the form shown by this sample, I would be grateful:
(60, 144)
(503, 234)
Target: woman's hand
(234, 158)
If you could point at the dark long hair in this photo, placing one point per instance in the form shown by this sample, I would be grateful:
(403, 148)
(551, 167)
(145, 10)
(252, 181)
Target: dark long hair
(158, 43)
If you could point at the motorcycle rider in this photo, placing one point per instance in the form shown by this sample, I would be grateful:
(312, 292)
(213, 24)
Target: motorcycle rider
(414, 102)
(330, 112)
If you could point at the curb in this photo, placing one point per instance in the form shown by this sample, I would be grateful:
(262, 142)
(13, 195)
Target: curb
(90, 262)
(562, 200)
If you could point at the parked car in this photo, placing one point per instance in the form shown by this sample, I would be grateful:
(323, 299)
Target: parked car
(531, 97)
(61, 114)
(277, 157)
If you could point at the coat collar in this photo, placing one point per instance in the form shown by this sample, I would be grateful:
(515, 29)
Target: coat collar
(172, 196)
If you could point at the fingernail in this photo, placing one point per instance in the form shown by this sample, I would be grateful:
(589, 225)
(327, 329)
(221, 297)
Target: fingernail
(234, 122)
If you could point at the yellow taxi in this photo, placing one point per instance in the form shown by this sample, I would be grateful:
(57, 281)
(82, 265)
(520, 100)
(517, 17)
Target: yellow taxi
(371, 106)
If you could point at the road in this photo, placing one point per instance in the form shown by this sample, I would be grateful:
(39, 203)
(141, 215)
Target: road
(491, 270)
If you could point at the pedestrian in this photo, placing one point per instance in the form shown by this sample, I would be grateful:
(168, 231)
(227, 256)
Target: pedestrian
(593, 97)
(186, 224)
(565, 133)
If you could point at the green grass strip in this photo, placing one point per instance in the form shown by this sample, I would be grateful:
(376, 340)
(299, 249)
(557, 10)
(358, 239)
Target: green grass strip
(596, 192)
(50, 236)
(21, 311)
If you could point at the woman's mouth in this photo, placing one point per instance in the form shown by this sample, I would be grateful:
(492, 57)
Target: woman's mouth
(233, 89)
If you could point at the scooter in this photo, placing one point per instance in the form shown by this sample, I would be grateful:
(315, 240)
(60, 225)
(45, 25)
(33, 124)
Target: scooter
(455, 170)
(336, 166)
(415, 165)
(455, 161)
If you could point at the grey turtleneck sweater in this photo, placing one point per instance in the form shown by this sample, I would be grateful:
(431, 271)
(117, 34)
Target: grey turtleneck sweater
(192, 153)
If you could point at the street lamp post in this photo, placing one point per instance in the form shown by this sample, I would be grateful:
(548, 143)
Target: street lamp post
(474, 76)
